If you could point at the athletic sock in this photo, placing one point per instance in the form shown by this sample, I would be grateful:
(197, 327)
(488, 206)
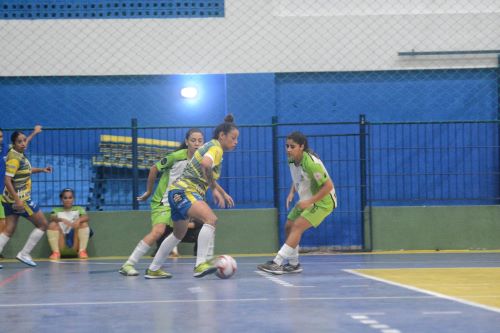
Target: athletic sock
(140, 250)
(211, 245)
(164, 251)
(294, 258)
(3, 240)
(53, 238)
(33, 239)
(207, 233)
(83, 237)
(284, 253)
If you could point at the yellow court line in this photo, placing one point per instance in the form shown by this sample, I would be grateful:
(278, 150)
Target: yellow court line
(478, 285)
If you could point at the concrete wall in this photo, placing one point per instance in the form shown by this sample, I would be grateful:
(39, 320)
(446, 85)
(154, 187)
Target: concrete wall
(433, 228)
(117, 233)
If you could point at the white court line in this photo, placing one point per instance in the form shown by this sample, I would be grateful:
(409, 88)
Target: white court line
(428, 292)
(21, 305)
(365, 313)
(279, 281)
(441, 312)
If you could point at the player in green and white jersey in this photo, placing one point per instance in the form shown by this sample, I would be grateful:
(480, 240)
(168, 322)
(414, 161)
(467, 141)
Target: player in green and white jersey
(317, 199)
(186, 198)
(171, 167)
(68, 227)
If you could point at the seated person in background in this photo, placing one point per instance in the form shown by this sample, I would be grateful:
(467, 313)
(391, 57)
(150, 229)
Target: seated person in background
(68, 228)
(191, 236)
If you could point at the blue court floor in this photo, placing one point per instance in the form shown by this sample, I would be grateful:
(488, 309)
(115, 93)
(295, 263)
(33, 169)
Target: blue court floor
(90, 296)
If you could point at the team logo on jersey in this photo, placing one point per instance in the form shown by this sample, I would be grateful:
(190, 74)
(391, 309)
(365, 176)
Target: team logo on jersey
(318, 176)
(163, 161)
(177, 197)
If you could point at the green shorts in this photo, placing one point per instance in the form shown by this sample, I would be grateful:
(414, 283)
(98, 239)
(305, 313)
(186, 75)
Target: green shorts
(2, 212)
(314, 214)
(161, 215)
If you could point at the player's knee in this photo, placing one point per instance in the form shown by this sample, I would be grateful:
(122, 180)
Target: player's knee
(53, 226)
(210, 219)
(156, 234)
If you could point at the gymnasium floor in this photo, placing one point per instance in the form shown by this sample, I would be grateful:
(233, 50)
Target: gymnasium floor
(384, 293)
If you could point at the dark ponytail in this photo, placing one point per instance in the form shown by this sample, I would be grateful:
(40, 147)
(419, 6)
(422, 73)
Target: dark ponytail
(227, 126)
(14, 136)
(188, 134)
(301, 139)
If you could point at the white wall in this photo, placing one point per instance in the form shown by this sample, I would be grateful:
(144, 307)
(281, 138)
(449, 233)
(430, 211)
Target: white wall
(259, 36)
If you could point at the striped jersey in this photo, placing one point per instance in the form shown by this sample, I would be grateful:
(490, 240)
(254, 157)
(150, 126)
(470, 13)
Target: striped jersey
(192, 178)
(18, 167)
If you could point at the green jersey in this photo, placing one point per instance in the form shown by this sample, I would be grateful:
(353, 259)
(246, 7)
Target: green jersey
(171, 167)
(71, 215)
(309, 177)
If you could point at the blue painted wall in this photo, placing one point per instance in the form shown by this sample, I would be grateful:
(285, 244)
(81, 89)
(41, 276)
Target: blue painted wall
(292, 97)
(253, 98)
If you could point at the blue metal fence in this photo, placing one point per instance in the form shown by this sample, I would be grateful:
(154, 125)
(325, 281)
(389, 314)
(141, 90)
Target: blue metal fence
(425, 163)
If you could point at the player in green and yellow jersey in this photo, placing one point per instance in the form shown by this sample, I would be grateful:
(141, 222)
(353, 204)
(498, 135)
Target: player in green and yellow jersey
(171, 167)
(186, 197)
(16, 199)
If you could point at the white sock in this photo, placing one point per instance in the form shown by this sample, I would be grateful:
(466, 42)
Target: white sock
(3, 240)
(294, 259)
(140, 250)
(164, 251)
(211, 245)
(284, 253)
(83, 237)
(33, 239)
(207, 233)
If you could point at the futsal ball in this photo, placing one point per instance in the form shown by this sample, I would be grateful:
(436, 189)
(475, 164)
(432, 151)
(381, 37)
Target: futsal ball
(226, 266)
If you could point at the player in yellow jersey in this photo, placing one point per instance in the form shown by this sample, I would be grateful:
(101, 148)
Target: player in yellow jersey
(16, 199)
(186, 198)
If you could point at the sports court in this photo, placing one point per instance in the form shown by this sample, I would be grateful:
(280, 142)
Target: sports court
(335, 293)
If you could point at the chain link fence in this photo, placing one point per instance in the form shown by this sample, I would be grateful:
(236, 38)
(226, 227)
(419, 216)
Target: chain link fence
(84, 69)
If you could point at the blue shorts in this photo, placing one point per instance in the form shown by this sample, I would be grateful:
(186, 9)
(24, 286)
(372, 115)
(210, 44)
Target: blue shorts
(30, 208)
(180, 201)
(70, 236)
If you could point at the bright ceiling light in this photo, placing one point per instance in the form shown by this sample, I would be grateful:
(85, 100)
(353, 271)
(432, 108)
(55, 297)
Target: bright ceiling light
(189, 92)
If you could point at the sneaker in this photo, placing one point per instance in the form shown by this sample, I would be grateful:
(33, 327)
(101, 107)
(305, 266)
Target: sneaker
(128, 270)
(1, 266)
(26, 259)
(82, 254)
(158, 274)
(288, 268)
(271, 267)
(55, 256)
(204, 269)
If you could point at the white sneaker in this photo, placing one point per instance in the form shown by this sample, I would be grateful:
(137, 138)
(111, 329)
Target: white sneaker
(1, 266)
(26, 259)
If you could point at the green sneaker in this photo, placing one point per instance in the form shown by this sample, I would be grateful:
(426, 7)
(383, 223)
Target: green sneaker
(204, 269)
(128, 270)
(158, 274)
